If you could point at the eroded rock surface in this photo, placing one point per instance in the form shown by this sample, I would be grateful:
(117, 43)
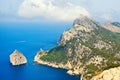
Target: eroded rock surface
(17, 58)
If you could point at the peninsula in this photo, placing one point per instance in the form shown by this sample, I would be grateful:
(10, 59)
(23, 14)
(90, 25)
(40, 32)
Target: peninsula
(87, 49)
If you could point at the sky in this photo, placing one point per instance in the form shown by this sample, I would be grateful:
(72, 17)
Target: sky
(58, 10)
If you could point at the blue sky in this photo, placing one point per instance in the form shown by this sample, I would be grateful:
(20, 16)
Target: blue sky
(58, 10)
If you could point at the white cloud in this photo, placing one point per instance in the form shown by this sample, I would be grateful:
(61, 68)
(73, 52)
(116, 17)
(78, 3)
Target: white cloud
(48, 9)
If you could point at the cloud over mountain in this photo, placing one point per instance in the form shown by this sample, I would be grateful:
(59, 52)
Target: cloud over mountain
(51, 9)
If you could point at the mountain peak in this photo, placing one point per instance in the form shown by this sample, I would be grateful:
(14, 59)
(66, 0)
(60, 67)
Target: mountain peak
(85, 21)
(16, 51)
(81, 26)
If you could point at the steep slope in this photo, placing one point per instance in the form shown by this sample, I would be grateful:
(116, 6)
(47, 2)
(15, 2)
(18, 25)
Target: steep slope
(87, 48)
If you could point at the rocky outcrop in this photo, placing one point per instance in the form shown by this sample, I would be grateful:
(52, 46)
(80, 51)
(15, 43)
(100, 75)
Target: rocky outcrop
(17, 58)
(111, 74)
(80, 25)
(38, 55)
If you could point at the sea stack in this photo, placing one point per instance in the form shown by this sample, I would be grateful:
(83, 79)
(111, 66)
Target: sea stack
(17, 58)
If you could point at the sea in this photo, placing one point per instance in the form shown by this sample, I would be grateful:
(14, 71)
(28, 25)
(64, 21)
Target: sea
(29, 38)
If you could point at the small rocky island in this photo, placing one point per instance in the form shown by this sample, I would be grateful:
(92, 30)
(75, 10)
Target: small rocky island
(17, 58)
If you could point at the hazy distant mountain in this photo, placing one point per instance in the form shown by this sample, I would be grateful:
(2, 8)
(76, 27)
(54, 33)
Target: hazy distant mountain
(114, 27)
(116, 24)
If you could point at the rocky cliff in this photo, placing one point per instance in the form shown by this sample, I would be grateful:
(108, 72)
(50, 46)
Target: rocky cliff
(111, 74)
(17, 58)
(86, 48)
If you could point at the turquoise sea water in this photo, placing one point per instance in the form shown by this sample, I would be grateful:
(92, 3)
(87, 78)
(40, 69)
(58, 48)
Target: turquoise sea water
(28, 38)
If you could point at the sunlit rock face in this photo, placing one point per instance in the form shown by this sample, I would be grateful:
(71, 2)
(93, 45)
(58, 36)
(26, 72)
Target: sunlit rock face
(111, 74)
(17, 58)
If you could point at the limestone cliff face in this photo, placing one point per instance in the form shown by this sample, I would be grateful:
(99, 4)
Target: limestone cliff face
(84, 49)
(111, 74)
(81, 27)
(17, 58)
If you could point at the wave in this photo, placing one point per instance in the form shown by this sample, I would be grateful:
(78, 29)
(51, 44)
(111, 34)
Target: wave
(22, 41)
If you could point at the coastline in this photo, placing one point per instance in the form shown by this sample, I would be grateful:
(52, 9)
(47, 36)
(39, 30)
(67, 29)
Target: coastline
(50, 64)
(55, 65)
(70, 72)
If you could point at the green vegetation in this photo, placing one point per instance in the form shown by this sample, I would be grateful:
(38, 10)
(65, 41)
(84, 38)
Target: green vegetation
(56, 54)
(91, 68)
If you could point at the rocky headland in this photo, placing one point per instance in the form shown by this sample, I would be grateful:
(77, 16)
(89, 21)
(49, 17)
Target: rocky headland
(68, 66)
(17, 58)
(87, 49)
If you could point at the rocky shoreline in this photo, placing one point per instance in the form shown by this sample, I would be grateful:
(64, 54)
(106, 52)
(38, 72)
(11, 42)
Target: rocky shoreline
(110, 74)
(54, 65)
